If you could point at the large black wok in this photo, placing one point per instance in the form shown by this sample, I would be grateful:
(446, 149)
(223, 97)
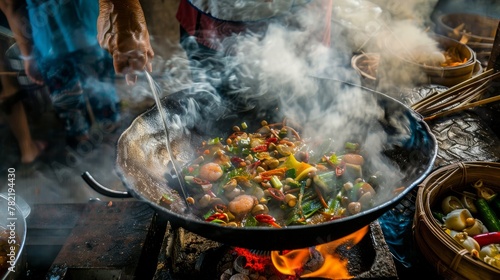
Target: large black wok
(371, 118)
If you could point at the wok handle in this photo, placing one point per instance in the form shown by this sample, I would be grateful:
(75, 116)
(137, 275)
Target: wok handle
(102, 189)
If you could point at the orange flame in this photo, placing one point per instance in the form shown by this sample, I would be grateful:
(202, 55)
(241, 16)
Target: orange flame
(333, 267)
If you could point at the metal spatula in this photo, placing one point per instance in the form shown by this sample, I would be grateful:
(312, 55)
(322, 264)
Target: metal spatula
(175, 163)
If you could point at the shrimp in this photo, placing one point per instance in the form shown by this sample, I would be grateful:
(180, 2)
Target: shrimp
(242, 204)
(210, 172)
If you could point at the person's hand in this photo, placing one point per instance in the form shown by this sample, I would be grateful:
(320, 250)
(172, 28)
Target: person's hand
(31, 69)
(122, 31)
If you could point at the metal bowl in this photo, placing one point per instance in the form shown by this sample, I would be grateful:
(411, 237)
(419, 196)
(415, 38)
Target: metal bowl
(13, 214)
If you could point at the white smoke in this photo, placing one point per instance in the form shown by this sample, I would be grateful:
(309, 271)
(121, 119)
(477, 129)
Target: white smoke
(281, 67)
(418, 11)
(397, 31)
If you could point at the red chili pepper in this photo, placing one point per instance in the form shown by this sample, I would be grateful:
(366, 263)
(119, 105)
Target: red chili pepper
(217, 216)
(200, 181)
(190, 169)
(271, 140)
(236, 160)
(264, 218)
(339, 170)
(487, 238)
(255, 164)
(277, 194)
(260, 148)
(267, 219)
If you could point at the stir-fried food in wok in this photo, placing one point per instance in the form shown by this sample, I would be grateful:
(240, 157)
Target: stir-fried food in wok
(272, 177)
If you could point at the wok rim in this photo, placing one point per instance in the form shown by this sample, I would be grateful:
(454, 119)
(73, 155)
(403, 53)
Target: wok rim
(368, 216)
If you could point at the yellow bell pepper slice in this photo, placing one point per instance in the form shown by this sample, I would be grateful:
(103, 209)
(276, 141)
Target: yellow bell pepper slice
(301, 168)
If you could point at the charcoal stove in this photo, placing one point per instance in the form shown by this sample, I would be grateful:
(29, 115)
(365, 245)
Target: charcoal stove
(186, 255)
(127, 240)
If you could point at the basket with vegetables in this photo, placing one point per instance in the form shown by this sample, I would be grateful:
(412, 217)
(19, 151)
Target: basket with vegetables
(457, 225)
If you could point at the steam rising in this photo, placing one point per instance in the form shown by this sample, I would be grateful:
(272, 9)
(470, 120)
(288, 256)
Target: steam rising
(397, 31)
(416, 10)
(275, 68)
(280, 69)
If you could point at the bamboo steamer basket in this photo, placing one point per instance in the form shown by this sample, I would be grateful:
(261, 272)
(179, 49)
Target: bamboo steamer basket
(477, 30)
(449, 258)
(476, 27)
(428, 74)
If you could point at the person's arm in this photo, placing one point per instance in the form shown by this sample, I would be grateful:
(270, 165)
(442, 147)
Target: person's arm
(123, 32)
(16, 14)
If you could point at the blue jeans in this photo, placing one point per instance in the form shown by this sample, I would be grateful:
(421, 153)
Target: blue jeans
(78, 73)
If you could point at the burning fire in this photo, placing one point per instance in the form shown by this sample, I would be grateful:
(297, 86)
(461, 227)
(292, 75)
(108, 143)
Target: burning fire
(291, 262)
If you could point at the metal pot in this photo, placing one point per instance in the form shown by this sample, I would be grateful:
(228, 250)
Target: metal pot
(142, 161)
(13, 218)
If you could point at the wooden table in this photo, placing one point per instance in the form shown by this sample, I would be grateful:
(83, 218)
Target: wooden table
(95, 240)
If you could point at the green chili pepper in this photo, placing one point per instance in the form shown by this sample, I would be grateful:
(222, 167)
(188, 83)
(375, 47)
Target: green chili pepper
(214, 141)
(495, 205)
(245, 151)
(209, 213)
(351, 146)
(251, 221)
(489, 218)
